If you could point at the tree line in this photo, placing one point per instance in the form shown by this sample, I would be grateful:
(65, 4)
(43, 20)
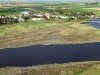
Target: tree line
(73, 13)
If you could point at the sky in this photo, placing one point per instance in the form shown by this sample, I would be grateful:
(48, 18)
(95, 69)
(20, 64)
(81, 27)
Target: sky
(50, 0)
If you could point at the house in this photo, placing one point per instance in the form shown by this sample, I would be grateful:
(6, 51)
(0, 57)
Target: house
(63, 17)
(36, 19)
(25, 13)
(47, 15)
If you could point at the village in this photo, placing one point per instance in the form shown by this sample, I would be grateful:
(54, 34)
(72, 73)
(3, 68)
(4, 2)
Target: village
(35, 16)
(30, 13)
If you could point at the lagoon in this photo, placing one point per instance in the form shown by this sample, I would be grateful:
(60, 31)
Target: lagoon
(49, 54)
(94, 23)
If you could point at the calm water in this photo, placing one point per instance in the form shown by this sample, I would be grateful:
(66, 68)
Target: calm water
(95, 23)
(49, 54)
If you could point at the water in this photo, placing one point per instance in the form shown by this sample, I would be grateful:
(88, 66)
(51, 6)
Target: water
(95, 23)
(49, 54)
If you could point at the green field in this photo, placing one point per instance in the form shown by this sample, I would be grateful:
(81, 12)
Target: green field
(11, 10)
(44, 7)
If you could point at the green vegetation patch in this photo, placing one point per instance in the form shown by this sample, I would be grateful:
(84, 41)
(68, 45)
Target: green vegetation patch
(95, 70)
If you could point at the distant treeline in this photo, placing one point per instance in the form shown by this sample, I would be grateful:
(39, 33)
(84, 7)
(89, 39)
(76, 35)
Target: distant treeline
(72, 12)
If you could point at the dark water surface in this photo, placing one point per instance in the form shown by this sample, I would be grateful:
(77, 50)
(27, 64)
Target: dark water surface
(49, 54)
(95, 23)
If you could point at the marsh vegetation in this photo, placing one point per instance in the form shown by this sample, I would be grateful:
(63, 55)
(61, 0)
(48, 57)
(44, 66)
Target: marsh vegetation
(79, 68)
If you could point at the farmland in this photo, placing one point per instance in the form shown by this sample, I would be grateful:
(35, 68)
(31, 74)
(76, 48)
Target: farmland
(46, 5)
